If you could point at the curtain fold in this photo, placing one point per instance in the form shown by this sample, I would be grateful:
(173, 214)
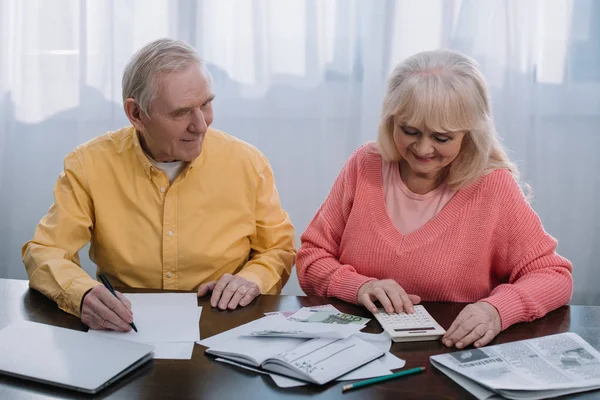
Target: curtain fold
(303, 80)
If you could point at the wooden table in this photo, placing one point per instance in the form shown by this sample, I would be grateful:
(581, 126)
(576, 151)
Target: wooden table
(203, 378)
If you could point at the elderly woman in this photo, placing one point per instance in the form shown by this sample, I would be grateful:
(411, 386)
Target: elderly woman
(434, 212)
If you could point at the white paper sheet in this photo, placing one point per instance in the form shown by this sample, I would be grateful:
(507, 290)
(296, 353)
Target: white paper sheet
(390, 361)
(161, 317)
(173, 351)
(285, 382)
(381, 340)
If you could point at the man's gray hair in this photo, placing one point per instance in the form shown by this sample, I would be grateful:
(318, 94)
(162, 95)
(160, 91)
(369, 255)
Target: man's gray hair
(161, 56)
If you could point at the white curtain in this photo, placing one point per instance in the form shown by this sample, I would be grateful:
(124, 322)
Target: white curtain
(303, 81)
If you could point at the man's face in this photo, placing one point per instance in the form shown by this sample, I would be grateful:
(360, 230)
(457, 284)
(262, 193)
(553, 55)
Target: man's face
(179, 116)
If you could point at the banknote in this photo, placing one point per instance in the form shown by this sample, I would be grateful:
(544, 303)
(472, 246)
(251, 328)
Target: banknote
(327, 317)
(286, 314)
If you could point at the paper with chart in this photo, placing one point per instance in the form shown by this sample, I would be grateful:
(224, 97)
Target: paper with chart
(169, 321)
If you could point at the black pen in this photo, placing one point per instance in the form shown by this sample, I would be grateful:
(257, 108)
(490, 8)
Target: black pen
(107, 284)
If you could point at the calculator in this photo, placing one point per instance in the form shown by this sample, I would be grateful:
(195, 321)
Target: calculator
(403, 327)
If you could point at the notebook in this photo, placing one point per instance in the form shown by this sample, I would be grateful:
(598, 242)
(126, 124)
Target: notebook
(67, 358)
(317, 360)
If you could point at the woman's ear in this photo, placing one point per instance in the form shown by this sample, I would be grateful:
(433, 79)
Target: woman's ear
(134, 114)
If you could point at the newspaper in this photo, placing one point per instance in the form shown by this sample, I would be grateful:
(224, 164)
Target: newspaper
(538, 368)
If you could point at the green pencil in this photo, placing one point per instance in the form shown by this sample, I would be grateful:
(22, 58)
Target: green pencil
(382, 378)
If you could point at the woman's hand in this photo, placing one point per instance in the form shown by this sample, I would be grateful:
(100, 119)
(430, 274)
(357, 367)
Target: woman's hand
(478, 322)
(391, 296)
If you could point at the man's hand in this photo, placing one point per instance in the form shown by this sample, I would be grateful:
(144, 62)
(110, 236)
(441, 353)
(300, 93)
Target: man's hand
(230, 291)
(102, 310)
(478, 322)
(391, 296)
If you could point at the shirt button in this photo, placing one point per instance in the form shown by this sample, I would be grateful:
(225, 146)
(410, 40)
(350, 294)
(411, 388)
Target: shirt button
(163, 189)
(169, 275)
(170, 233)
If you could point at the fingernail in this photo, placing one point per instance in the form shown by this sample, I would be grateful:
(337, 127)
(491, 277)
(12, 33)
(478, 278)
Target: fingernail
(459, 345)
(476, 344)
(448, 343)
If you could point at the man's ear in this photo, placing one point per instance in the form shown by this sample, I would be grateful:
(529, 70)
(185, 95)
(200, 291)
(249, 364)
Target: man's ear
(134, 113)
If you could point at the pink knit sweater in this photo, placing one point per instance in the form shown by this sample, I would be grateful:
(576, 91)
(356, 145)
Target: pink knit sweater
(486, 244)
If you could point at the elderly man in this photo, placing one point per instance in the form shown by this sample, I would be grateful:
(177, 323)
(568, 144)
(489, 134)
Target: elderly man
(166, 203)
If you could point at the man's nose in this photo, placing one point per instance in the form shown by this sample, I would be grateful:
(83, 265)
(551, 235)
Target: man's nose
(198, 123)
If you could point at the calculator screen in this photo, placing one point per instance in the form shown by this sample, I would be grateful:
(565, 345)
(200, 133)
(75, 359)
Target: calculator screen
(429, 328)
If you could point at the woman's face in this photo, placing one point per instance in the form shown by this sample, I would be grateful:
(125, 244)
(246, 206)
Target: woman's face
(427, 153)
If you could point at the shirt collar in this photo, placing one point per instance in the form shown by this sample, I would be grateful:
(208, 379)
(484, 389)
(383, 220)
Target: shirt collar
(139, 152)
(147, 165)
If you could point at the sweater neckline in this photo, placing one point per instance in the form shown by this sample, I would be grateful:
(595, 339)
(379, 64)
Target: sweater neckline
(427, 232)
(399, 182)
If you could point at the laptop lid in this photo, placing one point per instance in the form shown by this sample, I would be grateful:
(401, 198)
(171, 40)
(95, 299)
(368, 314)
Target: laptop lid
(67, 358)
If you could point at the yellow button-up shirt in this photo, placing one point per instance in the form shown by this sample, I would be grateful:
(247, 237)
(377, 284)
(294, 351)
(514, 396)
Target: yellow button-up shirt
(221, 215)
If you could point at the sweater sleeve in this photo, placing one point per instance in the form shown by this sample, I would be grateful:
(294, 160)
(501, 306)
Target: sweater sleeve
(536, 279)
(318, 261)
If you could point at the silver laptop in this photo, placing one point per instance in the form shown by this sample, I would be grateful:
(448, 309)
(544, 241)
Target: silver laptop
(67, 358)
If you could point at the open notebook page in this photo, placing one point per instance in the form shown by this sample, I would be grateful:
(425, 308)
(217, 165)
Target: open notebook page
(322, 360)
(251, 350)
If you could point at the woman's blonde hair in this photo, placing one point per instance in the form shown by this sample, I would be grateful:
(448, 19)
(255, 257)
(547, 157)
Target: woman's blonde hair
(443, 91)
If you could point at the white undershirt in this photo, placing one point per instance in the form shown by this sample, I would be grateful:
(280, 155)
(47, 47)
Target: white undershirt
(172, 169)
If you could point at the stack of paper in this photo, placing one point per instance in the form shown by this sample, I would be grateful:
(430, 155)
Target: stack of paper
(255, 345)
(168, 321)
